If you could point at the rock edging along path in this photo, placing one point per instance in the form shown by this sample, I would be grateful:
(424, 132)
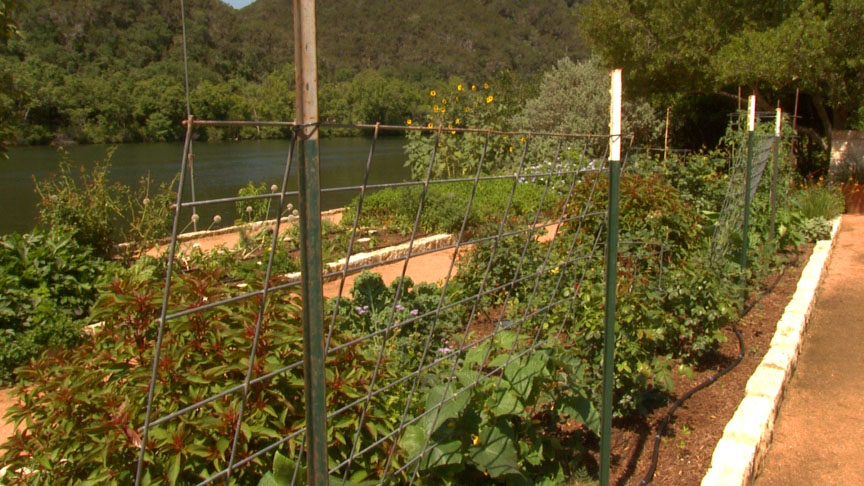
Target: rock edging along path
(745, 440)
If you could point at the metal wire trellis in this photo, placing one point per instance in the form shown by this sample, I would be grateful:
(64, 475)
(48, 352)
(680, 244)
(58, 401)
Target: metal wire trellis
(730, 221)
(524, 311)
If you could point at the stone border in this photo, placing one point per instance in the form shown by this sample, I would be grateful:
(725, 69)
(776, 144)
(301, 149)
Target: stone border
(194, 235)
(388, 254)
(739, 453)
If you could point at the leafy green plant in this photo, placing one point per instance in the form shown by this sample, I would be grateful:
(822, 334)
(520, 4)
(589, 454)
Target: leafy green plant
(444, 207)
(818, 200)
(459, 105)
(374, 306)
(255, 209)
(815, 229)
(48, 281)
(84, 405)
(86, 203)
(506, 427)
(149, 213)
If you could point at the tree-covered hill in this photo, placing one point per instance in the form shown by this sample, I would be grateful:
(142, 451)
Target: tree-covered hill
(112, 70)
(423, 39)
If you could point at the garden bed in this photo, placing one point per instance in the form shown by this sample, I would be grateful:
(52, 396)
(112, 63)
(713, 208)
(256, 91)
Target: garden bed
(688, 444)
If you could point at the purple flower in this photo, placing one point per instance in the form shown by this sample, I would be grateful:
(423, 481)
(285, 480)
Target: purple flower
(361, 310)
(414, 312)
(445, 350)
(399, 307)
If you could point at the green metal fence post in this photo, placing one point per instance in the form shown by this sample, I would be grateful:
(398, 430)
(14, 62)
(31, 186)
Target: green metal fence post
(777, 140)
(309, 205)
(611, 277)
(745, 227)
(745, 230)
(609, 332)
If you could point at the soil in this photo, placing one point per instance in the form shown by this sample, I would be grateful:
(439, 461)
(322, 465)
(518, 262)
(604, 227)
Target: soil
(817, 436)
(6, 401)
(688, 444)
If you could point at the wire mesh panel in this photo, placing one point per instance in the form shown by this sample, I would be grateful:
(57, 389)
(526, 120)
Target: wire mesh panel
(451, 305)
(728, 228)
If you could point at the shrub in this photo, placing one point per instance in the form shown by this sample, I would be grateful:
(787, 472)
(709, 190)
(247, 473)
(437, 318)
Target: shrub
(48, 282)
(506, 428)
(374, 306)
(82, 406)
(255, 209)
(574, 98)
(149, 213)
(86, 203)
(100, 213)
(445, 205)
(818, 200)
(457, 154)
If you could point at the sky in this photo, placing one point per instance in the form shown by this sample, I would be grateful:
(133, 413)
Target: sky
(238, 3)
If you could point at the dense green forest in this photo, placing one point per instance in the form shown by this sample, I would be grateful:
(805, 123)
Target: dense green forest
(112, 70)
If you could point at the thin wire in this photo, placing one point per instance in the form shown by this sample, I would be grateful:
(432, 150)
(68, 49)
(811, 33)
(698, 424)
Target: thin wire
(267, 273)
(441, 297)
(172, 247)
(395, 302)
(188, 114)
(350, 249)
(473, 312)
(450, 359)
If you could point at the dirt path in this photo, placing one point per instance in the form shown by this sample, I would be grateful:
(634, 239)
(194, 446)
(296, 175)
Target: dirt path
(229, 237)
(431, 267)
(6, 401)
(817, 436)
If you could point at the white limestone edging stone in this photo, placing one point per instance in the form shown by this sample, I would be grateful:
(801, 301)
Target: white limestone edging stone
(745, 439)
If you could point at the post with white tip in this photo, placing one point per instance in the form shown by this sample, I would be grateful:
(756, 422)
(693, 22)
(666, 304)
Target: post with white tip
(745, 229)
(778, 138)
(611, 274)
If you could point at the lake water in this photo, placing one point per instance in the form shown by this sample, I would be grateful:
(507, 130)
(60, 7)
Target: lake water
(220, 170)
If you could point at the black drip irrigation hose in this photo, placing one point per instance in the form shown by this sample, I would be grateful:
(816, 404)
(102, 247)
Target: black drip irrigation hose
(741, 350)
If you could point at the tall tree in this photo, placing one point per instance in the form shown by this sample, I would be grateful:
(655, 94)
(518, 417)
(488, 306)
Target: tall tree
(674, 48)
(8, 29)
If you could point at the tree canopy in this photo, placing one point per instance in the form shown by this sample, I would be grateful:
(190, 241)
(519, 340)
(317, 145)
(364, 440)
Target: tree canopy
(112, 70)
(677, 48)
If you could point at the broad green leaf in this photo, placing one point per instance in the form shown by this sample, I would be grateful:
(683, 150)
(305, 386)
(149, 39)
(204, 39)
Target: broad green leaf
(412, 440)
(450, 409)
(505, 402)
(495, 451)
(174, 469)
(445, 454)
(283, 469)
(581, 409)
